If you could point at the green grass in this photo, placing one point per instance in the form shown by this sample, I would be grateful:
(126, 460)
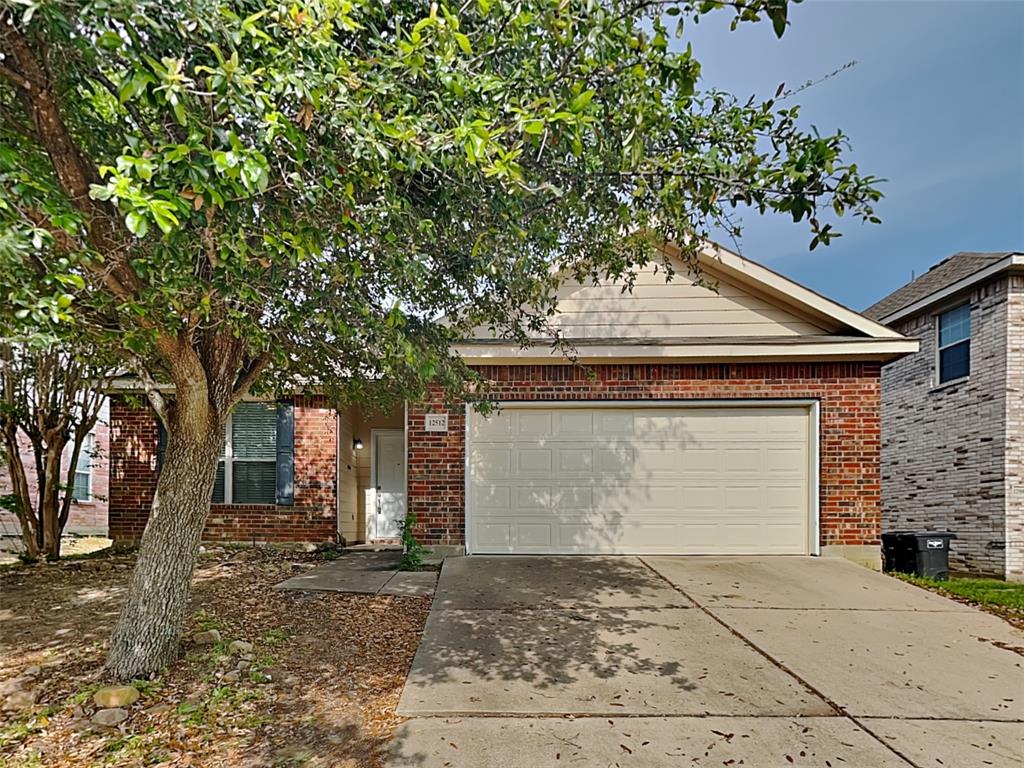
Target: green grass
(990, 592)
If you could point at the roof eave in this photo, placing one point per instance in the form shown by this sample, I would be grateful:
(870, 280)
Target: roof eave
(882, 350)
(1012, 262)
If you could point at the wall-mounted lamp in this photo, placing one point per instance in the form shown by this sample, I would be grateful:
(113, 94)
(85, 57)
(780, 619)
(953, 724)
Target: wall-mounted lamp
(357, 444)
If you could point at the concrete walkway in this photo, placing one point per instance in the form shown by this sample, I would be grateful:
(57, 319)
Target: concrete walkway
(368, 573)
(702, 661)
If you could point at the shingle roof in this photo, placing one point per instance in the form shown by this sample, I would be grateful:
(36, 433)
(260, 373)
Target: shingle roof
(946, 272)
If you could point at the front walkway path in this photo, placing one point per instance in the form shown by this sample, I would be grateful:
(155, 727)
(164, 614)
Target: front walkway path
(706, 662)
(370, 573)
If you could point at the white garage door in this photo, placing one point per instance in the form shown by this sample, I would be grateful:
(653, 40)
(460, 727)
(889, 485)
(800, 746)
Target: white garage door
(636, 480)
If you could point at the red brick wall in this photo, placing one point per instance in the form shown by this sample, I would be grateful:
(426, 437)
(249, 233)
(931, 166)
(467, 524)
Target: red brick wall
(849, 395)
(313, 517)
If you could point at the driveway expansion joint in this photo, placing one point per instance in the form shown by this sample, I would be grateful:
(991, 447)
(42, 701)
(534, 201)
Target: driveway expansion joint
(839, 710)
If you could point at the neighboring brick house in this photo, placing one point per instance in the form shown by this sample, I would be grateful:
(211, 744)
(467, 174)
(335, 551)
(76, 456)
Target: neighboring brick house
(740, 419)
(88, 514)
(953, 414)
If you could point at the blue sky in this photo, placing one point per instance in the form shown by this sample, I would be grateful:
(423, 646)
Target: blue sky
(935, 105)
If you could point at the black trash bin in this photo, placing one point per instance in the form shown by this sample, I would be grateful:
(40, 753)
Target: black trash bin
(931, 554)
(922, 553)
(897, 555)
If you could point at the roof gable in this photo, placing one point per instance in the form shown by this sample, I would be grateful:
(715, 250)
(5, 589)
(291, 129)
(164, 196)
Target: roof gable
(733, 298)
(738, 310)
(945, 274)
(677, 309)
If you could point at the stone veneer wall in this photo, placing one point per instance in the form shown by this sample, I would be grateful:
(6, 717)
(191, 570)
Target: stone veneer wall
(849, 394)
(944, 447)
(1015, 429)
(312, 518)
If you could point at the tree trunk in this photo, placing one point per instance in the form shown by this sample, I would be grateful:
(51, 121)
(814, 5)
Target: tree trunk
(145, 639)
(23, 497)
(49, 501)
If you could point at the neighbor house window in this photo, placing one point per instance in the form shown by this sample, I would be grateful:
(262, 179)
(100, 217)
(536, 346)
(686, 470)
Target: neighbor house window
(82, 490)
(955, 343)
(247, 472)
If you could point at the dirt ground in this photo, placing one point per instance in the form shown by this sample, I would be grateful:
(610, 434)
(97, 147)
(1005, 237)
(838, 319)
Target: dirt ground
(319, 687)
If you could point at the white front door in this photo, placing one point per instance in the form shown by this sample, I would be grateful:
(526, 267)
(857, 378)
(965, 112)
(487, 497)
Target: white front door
(388, 478)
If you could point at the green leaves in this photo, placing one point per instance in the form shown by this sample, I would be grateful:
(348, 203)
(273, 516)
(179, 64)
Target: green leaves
(324, 182)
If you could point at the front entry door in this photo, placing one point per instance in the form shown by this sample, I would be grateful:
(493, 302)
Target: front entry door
(389, 482)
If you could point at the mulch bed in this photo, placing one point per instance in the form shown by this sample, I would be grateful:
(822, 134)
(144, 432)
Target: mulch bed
(320, 689)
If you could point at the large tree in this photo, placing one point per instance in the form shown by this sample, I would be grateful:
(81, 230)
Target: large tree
(242, 193)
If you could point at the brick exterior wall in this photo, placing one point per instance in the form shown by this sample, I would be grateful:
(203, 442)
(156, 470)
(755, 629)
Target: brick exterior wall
(1015, 429)
(87, 517)
(313, 517)
(849, 394)
(944, 448)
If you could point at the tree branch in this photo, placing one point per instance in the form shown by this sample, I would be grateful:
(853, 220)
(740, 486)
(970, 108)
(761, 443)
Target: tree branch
(10, 75)
(153, 393)
(249, 375)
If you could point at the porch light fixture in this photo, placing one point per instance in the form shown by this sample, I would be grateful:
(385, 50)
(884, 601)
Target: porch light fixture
(357, 444)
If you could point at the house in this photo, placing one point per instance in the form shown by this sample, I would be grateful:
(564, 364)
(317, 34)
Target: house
(953, 413)
(88, 513)
(740, 419)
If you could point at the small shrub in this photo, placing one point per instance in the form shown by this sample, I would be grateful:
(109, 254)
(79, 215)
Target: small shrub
(413, 551)
(276, 635)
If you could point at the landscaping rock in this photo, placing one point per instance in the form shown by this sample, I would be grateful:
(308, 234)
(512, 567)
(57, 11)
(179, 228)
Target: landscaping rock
(159, 709)
(231, 677)
(273, 674)
(240, 646)
(242, 666)
(20, 700)
(33, 671)
(115, 696)
(110, 718)
(209, 637)
(248, 657)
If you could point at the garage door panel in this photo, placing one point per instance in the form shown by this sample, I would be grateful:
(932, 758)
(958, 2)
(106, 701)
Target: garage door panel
(489, 461)
(576, 460)
(574, 423)
(533, 460)
(614, 423)
(787, 460)
(493, 535)
(534, 423)
(493, 498)
(722, 480)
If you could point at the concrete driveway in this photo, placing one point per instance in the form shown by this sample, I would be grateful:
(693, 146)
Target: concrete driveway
(705, 662)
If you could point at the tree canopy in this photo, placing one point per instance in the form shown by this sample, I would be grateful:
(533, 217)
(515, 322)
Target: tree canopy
(321, 181)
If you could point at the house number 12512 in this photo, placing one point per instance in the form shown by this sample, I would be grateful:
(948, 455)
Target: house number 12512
(436, 422)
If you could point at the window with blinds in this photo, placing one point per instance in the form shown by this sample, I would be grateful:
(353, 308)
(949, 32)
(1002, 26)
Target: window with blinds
(954, 347)
(82, 490)
(247, 472)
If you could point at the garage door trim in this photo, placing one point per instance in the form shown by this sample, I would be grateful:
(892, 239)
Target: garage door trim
(813, 406)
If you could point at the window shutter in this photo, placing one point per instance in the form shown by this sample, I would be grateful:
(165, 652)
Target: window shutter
(161, 445)
(285, 453)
